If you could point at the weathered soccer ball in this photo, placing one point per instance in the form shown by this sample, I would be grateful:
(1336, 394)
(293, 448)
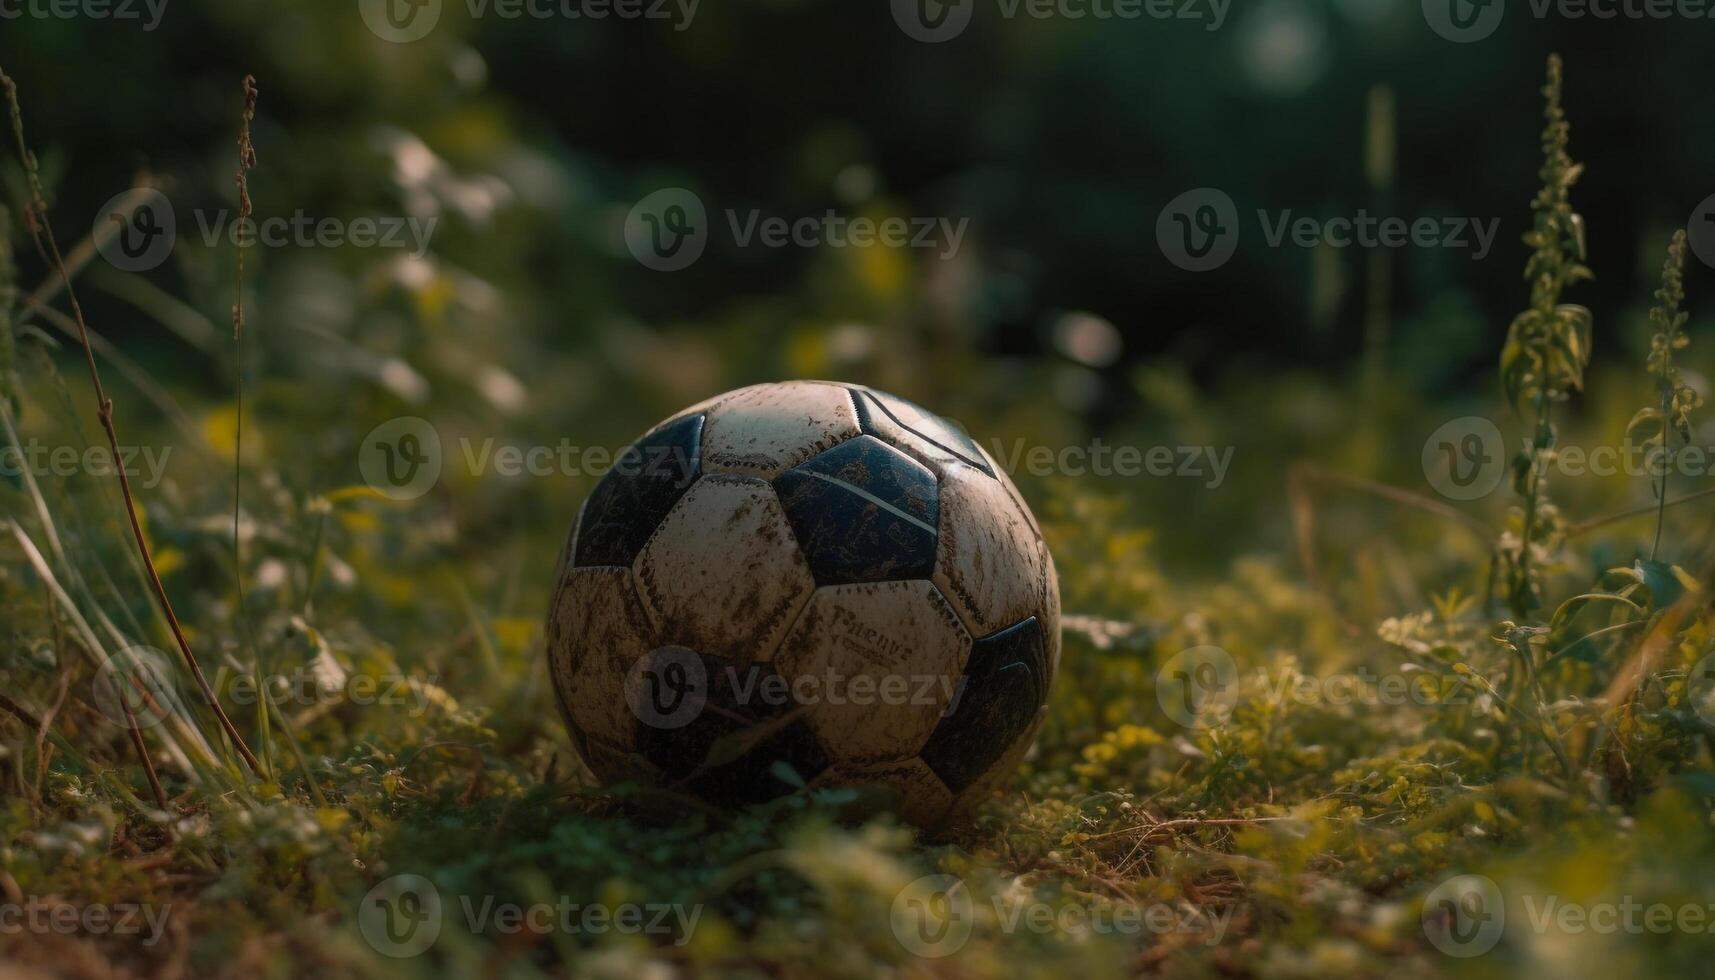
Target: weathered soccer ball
(806, 584)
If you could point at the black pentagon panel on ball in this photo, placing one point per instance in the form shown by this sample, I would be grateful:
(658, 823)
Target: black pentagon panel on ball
(743, 742)
(863, 512)
(634, 497)
(1004, 686)
(918, 421)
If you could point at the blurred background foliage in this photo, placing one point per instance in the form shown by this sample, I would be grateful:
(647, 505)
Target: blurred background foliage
(1061, 140)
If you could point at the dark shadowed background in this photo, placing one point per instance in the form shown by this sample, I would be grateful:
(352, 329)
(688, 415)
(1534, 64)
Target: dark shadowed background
(1060, 139)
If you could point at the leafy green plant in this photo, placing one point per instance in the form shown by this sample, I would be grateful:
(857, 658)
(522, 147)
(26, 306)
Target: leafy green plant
(1653, 426)
(1547, 349)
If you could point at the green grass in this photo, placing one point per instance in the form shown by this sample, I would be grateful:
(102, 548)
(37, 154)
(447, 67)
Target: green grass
(1548, 739)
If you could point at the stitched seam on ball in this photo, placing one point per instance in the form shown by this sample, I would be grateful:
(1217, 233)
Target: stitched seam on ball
(872, 498)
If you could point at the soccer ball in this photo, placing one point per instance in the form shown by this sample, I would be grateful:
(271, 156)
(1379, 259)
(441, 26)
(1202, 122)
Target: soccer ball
(806, 585)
